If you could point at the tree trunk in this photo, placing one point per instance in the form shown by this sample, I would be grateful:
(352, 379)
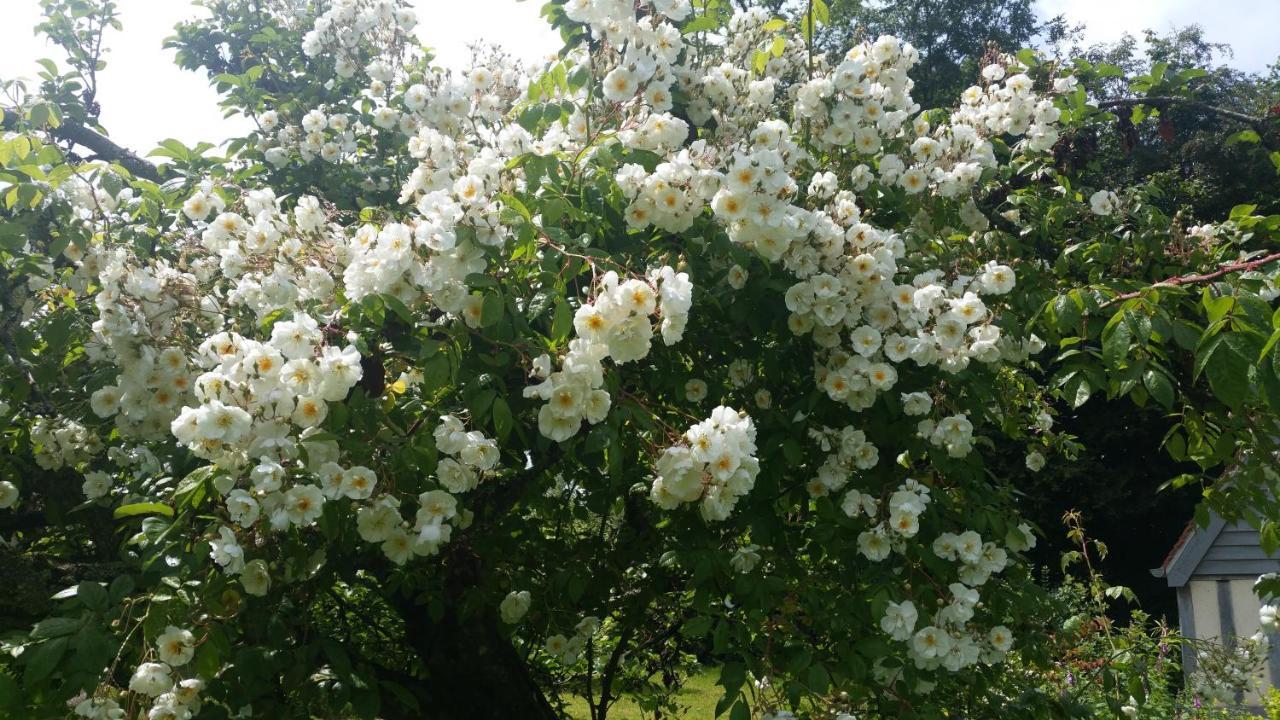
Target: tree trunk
(473, 671)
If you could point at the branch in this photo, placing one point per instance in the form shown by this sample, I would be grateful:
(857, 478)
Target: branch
(107, 149)
(1227, 269)
(610, 670)
(1195, 104)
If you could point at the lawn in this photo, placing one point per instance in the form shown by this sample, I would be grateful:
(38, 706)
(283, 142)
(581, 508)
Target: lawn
(697, 700)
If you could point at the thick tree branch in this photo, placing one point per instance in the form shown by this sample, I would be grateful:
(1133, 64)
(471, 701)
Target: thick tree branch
(1195, 104)
(103, 146)
(1227, 269)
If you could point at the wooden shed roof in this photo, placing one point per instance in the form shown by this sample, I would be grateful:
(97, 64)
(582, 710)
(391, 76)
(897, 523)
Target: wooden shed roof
(1222, 550)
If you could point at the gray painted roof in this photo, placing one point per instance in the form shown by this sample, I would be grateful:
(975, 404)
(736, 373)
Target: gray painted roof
(1221, 549)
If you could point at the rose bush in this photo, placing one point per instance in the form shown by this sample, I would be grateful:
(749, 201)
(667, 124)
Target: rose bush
(402, 403)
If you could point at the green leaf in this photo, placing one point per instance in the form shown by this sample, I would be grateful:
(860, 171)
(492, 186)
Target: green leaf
(1242, 211)
(1203, 353)
(55, 627)
(562, 322)
(1116, 342)
(43, 659)
(9, 692)
(93, 595)
(696, 627)
(1066, 312)
(120, 588)
(1228, 371)
(1217, 308)
(1270, 537)
(1246, 136)
(1159, 386)
(143, 508)
(503, 421)
(491, 310)
(397, 306)
(700, 23)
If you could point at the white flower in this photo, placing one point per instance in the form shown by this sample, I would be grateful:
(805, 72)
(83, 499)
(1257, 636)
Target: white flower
(930, 642)
(1267, 618)
(764, 399)
(358, 482)
(303, 504)
(1104, 202)
(96, 484)
(899, 620)
(226, 551)
(557, 644)
(176, 646)
(151, 679)
(745, 559)
(619, 85)
(455, 477)
(309, 412)
(1001, 639)
(198, 206)
(916, 403)
(997, 279)
(904, 522)
(1035, 461)
(480, 452)
(8, 494)
(435, 506)
(267, 476)
(105, 402)
(514, 606)
(255, 578)
(874, 544)
(398, 546)
(695, 390)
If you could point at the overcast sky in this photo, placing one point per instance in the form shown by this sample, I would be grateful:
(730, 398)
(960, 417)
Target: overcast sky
(145, 98)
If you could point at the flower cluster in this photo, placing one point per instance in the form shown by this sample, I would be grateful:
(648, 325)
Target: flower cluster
(62, 442)
(568, 649)
(953, 434)
(850, 449)
(170, 698)
(674, 194)
(715, 466)
(1222, 671)
(348, 24)
(470, 456)
(253, 394)
(724, 88)
(978, 560)
(514, 606)
(617, 324)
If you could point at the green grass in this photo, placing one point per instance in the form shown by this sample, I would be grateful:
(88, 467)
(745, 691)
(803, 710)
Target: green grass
(697, 699)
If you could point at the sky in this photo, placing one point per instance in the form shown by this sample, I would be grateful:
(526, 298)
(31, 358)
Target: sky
(145, 98)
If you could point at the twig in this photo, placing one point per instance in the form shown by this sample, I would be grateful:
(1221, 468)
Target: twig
(1199, 278)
